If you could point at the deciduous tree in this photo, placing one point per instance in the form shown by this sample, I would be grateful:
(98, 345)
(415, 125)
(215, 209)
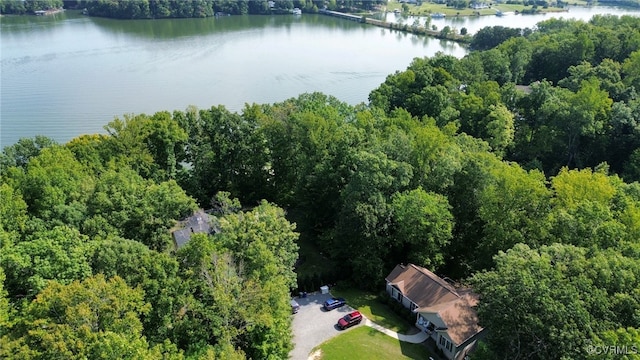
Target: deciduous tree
(60, 254)
(539, 304)
(96, 318)
(422, 227)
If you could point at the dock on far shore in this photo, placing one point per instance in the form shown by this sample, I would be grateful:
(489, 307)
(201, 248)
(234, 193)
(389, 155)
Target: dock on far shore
(343, 15)
(388, 25)
(47, 12)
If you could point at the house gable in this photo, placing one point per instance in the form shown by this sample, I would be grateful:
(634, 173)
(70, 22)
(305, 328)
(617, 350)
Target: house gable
(458, 317)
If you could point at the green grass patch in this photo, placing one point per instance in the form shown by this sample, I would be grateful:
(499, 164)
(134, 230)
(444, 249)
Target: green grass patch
(520, 8)
(428, 8)
(369, 305)
(578, 2)
(509, 7)
(366, 343)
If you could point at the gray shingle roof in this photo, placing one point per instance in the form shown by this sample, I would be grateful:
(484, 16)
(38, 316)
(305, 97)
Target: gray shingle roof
(199, 222)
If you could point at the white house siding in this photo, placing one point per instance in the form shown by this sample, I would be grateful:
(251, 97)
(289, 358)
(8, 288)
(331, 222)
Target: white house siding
(434, 319)
(398, 296)
(394, 292)
(430, 318)
(443, 344)
(422, 323)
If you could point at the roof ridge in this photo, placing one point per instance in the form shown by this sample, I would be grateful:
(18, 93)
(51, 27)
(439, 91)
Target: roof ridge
(437, 279)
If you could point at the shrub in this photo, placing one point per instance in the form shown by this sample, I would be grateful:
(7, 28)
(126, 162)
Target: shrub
(397, 307)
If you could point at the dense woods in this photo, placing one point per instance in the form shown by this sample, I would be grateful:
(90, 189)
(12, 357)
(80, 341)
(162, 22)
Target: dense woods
(513, 169)
(158, 9)
(28, 6)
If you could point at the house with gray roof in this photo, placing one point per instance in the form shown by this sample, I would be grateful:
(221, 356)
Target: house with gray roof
(198, 223)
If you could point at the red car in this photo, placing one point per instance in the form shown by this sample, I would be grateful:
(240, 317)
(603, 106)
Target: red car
(349, 320)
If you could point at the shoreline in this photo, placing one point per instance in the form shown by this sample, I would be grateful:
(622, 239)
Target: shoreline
(47, 12)
(464, 39)
(497, 11)
(494, 10)
(423, 10)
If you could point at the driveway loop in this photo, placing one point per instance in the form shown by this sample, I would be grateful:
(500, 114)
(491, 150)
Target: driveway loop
(313, 325)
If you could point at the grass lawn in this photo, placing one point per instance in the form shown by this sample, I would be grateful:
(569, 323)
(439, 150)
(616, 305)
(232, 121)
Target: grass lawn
(578, 3)
(368, 304)
(428, 8)
(366, 343)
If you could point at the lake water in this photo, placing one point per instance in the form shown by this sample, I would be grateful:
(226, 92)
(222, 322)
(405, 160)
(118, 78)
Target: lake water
(66, 75)
(475, 23)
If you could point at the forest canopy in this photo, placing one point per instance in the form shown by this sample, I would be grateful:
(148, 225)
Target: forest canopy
(159, 9)
(513, 169)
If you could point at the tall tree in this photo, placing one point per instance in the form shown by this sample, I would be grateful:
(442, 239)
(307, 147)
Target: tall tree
(492, 36)
(232, 304)
(539, 304)
(56, 186)
(149, 145)
(574, 186)
(4, 305)
(582, 213)
(518, 50)
(423, 227)
(226, 153)
(311, 141)
(96, 318)
(631, 69)
(264, 240)
(153, 272)
(360, 236)
(500, 128)
(513, 207)
(19, 153)
(13, 216)
(60, 254)
(588, 116)
(555, 51)
(127, 205)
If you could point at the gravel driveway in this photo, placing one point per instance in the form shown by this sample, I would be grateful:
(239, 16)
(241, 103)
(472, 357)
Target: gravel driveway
(313, 325)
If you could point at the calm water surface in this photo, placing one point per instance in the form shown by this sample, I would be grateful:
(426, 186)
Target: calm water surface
(67, 75)
(475, 23)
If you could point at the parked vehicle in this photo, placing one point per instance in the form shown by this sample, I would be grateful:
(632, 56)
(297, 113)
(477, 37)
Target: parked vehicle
(334, 303)
(349, 320)
(295, 307)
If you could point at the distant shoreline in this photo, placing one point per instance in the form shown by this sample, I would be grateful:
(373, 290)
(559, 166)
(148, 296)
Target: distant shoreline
(449, 12)
(503, 7)
(47, 12)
